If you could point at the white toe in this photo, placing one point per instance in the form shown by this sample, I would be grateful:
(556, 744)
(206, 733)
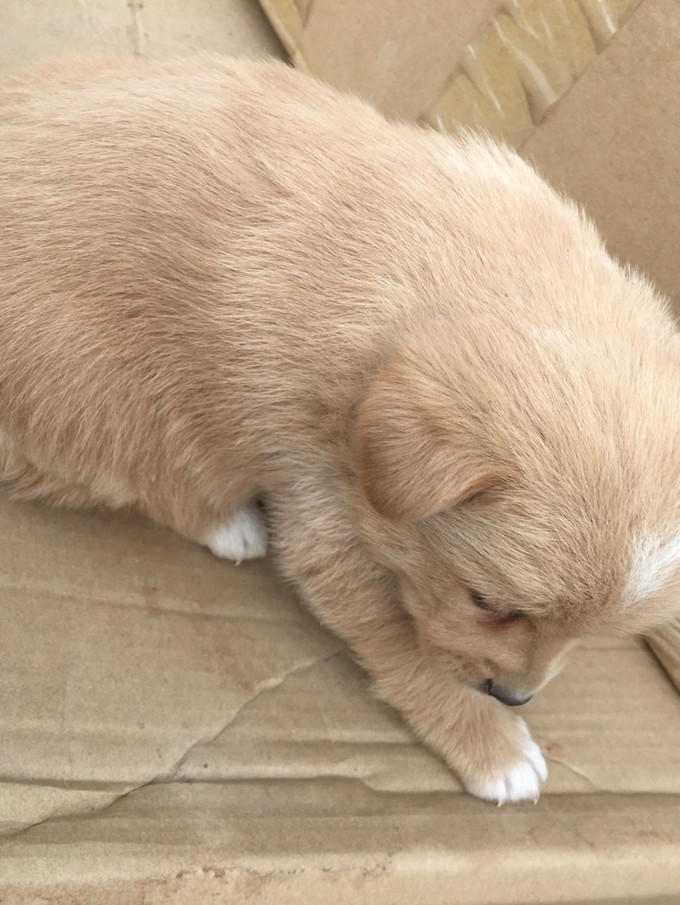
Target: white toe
(537, 760)
(490, 789)
(521, 781)
(243, 537)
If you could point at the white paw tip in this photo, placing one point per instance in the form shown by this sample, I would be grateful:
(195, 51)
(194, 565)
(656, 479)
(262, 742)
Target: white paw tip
(242, 537)
(521, 781)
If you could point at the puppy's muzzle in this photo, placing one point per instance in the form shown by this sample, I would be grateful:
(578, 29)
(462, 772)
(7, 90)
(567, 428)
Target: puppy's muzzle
(503, 694)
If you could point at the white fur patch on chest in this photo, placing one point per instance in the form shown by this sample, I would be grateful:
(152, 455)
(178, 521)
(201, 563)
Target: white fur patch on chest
(653, 564)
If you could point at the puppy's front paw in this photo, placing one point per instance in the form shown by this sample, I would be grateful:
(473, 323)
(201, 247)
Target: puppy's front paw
(243, 537)
(518, 774)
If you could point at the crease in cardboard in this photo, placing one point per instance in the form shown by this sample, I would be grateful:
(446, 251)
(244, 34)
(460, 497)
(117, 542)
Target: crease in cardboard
(60, 812)
(551, 759)
(68, 785)
(137, 29)
(169, 774)
(124, 600)
(530, 55)
(665, 644)
(289, 18)
(267, 686)
(305, 10)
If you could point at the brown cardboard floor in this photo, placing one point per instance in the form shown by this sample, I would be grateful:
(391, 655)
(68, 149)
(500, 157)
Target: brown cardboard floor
(34, 30)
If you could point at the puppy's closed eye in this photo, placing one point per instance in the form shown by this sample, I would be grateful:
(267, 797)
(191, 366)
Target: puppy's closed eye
(480, 601)
(483, 604)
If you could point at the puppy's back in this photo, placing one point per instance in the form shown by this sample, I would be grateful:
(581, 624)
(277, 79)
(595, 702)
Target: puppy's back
(195, 249)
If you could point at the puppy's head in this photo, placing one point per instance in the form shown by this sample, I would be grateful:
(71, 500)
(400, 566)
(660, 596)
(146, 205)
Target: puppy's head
(523, 487)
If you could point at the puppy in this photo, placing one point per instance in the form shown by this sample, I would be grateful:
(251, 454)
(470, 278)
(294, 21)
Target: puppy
(223, 284)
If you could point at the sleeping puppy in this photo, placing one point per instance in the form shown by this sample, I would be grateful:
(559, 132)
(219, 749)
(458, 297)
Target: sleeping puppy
(224, 286)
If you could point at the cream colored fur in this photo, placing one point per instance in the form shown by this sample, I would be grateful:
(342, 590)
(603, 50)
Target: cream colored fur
(222, 282)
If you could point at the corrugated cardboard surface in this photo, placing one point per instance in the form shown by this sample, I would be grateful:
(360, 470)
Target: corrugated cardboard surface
(499, 65)
(177, 729)
(613, 143)
(529, 56)
(32, 31)
(665, 642)
(394, 53)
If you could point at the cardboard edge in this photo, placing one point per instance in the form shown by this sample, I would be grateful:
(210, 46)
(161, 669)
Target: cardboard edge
(528, 58)
(665, 645)
(289, 28)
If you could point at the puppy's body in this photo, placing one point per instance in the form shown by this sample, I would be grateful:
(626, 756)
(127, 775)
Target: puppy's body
(222, 281)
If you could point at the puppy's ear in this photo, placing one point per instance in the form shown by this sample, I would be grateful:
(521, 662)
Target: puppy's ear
(415, 454)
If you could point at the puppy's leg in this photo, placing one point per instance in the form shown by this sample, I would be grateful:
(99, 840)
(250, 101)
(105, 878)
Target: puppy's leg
(232, 527)
(243, 536)
(488, 747)
(230, 533)
(20, 479)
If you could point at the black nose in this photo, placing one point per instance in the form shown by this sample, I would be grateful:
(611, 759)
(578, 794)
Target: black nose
(505, 695)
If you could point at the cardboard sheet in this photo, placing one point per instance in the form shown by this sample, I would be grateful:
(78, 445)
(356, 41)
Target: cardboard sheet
(492, 65)
(175, 727)
(665, 642)
(394, 53)
(612, 144)
(529, 56)
(33, 31)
